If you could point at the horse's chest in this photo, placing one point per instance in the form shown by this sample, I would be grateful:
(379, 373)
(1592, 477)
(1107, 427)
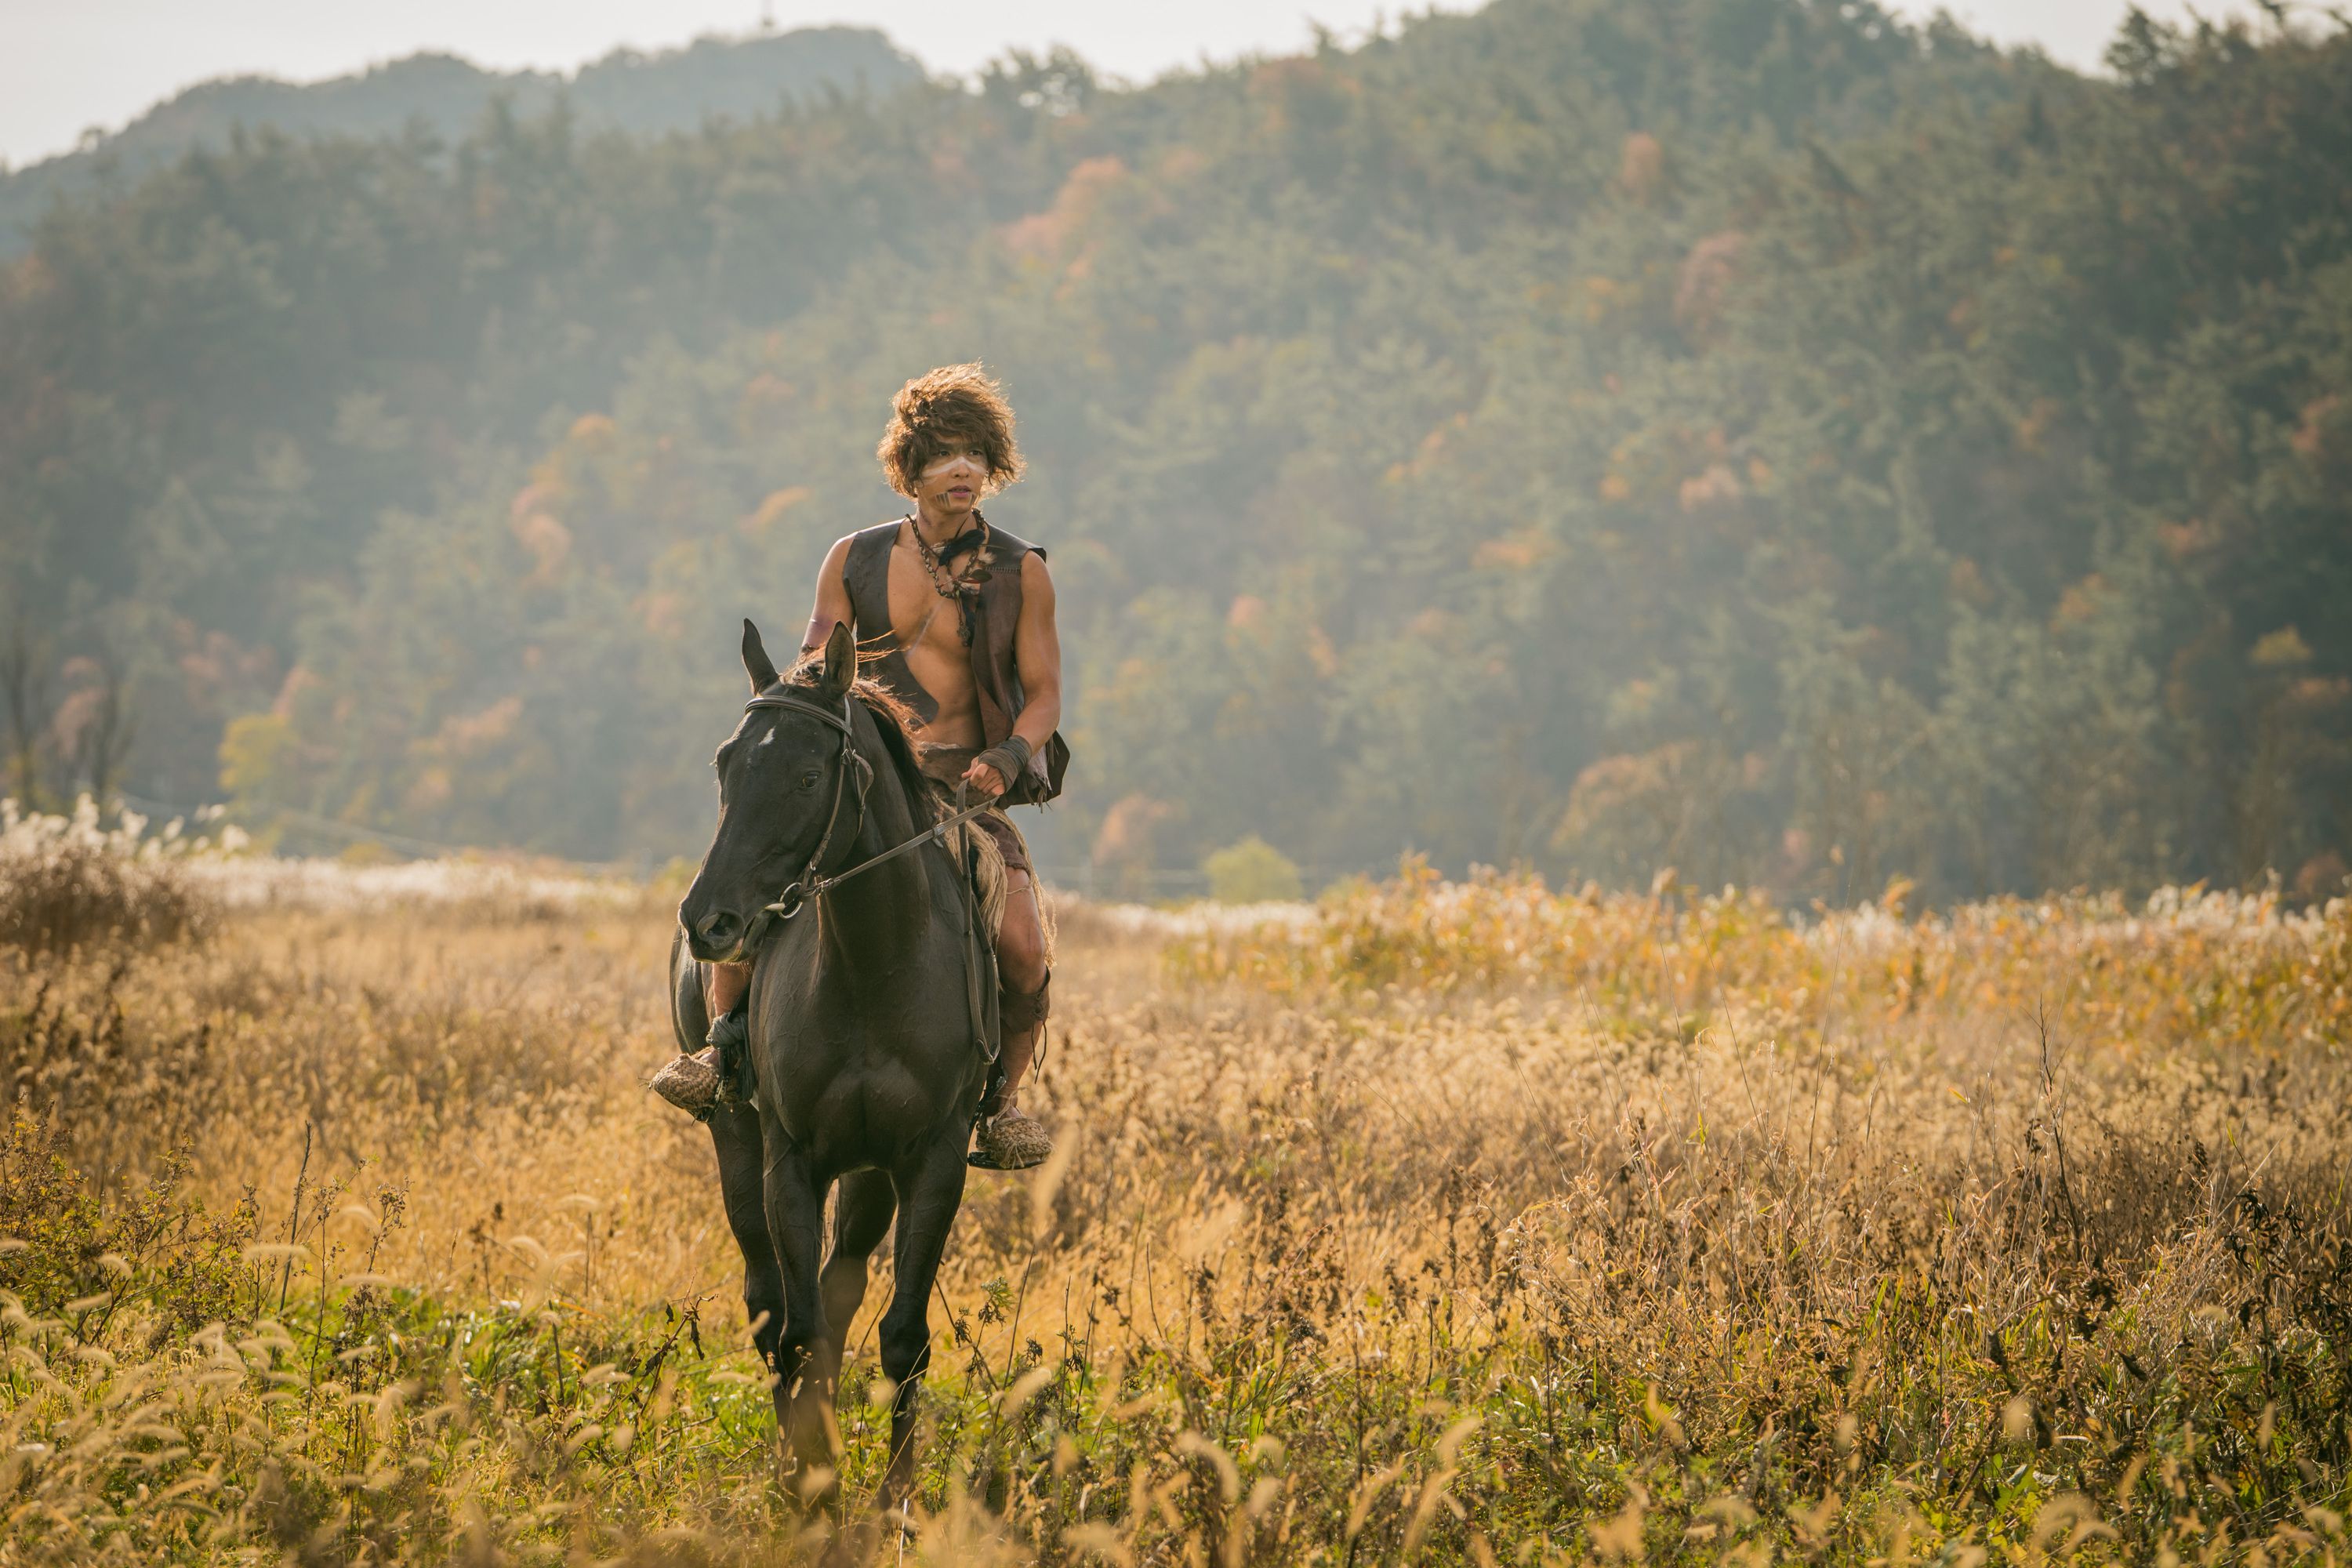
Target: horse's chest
(859, 1074)
(820, 1015)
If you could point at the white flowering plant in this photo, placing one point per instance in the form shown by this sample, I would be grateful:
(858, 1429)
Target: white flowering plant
(67, 882)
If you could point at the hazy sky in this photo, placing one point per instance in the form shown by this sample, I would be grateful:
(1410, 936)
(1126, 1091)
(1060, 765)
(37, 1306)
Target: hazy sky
(65, 65)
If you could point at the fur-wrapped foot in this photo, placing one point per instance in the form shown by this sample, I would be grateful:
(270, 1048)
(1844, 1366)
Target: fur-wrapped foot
(1011, 1141)
(690, 1082)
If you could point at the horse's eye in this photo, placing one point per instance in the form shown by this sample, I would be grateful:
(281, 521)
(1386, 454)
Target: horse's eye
(808, 780)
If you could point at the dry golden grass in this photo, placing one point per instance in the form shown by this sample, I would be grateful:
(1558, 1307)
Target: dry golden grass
(1458, 1222)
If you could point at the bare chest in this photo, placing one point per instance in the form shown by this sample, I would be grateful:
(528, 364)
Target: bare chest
(925, 621)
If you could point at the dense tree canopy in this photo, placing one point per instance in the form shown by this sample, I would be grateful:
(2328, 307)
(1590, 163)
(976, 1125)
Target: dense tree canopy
(1754, 437)
(439, 98)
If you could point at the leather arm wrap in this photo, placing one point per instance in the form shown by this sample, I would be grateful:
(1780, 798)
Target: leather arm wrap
(1019, 1013)
(1010, 758)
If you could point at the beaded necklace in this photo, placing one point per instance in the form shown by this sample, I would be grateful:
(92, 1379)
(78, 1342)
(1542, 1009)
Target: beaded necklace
(945, 583)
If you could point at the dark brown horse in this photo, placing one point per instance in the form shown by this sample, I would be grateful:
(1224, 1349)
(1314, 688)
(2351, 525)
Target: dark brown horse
(864, 1058)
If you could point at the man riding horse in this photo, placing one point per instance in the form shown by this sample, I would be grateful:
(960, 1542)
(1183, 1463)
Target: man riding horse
(954, 616)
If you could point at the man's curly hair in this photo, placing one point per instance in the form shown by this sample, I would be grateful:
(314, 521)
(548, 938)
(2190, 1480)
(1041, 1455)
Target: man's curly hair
(954, 403)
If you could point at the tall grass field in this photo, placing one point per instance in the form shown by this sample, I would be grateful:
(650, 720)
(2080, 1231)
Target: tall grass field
(1434, 1223)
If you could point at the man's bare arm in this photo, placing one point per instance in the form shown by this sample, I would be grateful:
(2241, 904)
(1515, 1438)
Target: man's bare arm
(832, 597)
(1037, 656)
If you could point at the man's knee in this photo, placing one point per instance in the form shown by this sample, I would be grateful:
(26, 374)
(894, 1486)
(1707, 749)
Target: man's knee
(1021, 941)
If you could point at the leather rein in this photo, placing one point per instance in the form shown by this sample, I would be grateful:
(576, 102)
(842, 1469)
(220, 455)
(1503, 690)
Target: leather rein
(798, 895)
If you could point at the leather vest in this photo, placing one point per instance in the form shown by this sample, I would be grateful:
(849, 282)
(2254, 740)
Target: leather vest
(995, 612)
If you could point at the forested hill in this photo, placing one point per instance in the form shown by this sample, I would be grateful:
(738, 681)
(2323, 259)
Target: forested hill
(442, 99)
(1753, 436)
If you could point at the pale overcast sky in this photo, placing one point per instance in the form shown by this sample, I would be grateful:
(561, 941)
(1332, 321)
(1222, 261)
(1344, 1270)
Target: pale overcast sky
(65, 65)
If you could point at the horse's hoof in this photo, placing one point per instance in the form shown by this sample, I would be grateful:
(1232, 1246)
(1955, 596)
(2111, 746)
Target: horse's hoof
(1011, 1141)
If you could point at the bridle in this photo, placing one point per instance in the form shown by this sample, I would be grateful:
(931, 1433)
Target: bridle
(798, 895)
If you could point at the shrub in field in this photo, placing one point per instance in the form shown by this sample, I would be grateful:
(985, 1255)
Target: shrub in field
(65, 1250)
(2216, 967)
(65, 883)
(1421, 931)
(1252, 872)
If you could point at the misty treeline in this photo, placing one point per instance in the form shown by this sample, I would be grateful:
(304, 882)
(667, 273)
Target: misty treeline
(440, 95)
(1753, 436)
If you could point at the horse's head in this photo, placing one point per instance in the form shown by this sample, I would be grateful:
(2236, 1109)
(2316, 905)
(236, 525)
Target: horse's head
(783, 778)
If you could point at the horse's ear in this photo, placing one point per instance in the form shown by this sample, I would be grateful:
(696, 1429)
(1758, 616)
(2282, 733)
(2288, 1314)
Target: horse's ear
(840, 658)
(756, 662)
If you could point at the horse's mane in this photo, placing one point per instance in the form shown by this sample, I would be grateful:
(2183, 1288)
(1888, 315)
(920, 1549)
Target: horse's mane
(892, 718)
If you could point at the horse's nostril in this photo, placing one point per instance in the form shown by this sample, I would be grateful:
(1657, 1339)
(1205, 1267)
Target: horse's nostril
(718, 926)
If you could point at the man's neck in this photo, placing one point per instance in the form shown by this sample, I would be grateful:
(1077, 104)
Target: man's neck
(936, 530)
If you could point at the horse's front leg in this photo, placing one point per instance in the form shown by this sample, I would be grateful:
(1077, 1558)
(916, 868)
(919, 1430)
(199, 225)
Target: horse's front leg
(735, 1134)
(736, 1138)
(931, 1190)
(795, 1208)
(861, 1218)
